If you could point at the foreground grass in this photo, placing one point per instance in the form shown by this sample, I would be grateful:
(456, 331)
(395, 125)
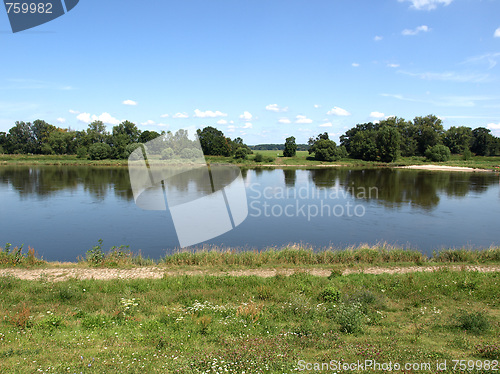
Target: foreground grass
(273, 158)
(215, 324)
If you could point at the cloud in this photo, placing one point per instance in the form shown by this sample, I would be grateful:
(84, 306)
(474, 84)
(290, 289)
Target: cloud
(494, 127)
(419, 29)
(328, 124)
(74, 111)
(355, 64)
(222, 122)
(378, 38)
(61, 120)
(317, 106)
(247, 116)
(497, 33)
(129, 102)
(284, 120)
(303, 119)
(105, 118)
(148, 123)
(231, 128)
(393, 65)
(162, 125)
(450, 76)
(377, 115)
(427, 4)
(208, 114)
(248, 125)
(164, 115)
(181, 115)
(336, 111)
(488, 58)
(276, 108)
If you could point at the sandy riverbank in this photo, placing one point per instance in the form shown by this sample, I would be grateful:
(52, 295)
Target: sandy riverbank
(442, 167)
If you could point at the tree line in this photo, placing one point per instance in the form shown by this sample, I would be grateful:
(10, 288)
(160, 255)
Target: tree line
(384, 141)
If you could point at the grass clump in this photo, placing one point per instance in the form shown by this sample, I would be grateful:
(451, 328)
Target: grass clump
(16, 257)
(474, 322)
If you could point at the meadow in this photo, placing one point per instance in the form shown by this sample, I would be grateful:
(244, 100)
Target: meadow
(251, 324)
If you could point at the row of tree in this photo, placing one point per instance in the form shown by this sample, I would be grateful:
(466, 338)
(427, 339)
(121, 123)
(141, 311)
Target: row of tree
(383, 141)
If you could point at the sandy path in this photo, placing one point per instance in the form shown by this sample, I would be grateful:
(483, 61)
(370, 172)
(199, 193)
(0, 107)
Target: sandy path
(441, 167)
(61, 274)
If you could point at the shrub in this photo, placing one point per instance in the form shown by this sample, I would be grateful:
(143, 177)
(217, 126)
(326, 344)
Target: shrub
(269, 159)
(330, 295)
(131, 148)
(438, 153)
(241, 153)
(350, 318)
(475, 322)
(167, 154)
(467, 155)
(258, 157)
(95, 256)
(99, 151)
(81, 152)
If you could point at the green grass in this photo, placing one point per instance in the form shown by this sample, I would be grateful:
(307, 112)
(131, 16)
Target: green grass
(212, 324)
(301, 159)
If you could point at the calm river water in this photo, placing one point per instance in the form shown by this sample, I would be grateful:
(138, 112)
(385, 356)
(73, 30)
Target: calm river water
(63, 211)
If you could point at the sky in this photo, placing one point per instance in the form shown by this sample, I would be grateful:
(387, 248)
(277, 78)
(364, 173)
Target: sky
(262, 69)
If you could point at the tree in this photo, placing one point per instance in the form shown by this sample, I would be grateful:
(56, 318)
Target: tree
(147, 136)
(128, 129)
(213, 142)
(21, 139)
(429, 130)
(388, 143)
(96, 132)
(483, 143)
(99, 151)
(324, 149)
(290, 147)
(458, 139)
(240, 153)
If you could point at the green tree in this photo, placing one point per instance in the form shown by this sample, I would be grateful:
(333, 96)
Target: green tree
(438, 153)
(96, 132)
(290, 147)
(483, 143)
(147, 136)
(429, 130)
(21, 139)
(99, 151)
(388, 143)
(128, 129)
(213, 142)
(458, 139)
(324, 149)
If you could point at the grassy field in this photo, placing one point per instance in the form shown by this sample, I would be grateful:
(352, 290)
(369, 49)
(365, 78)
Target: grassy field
(274, 158)
(217, 324)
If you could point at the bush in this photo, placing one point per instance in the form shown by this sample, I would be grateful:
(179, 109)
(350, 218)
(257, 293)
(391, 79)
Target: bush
(258, 157)
(330, 295)
(167, 154)
(81, 152)
(350, 318)
(241, 153)
(95, 256)
(467, 155)
(438, 153)
(269, 159)
(99, 151)
(188, 153)
(475, 322)
(131, 148)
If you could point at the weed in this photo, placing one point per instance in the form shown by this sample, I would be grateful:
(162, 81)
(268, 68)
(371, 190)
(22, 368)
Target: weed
(475, 322)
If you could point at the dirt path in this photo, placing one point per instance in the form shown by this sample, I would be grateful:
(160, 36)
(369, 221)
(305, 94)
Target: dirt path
(61, 274)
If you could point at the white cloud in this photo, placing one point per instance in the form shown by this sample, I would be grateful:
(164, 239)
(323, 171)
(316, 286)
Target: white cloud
(180, 115)
(231, 128)
(129, 102)
(317, 106)
(489, 58)
(377, 115)
(222, 122)
(497, 33)
(495, 128)
(303, 119)
(164, 115)
(393, 65)
(284, 120)
(105, 118)
(336, 111)
(276, 108)
(74, 111)
(162, 125)
(378, 38)
(61, 120)
(355, 64)
(247, 116)
(208, 114)
(450, 76)
(328, 124)
(248, 125)
(415, 31)
(427, 4)
(148, 123)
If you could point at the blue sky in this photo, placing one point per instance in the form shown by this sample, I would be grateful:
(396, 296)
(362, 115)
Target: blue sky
(262, 70)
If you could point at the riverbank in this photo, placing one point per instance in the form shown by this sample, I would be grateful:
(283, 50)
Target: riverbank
(302, 160)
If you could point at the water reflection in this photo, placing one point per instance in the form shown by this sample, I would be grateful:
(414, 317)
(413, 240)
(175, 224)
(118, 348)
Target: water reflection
(395, 187)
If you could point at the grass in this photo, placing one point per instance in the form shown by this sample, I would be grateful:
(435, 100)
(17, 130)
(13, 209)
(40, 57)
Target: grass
(274, 158)
(214, 324)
